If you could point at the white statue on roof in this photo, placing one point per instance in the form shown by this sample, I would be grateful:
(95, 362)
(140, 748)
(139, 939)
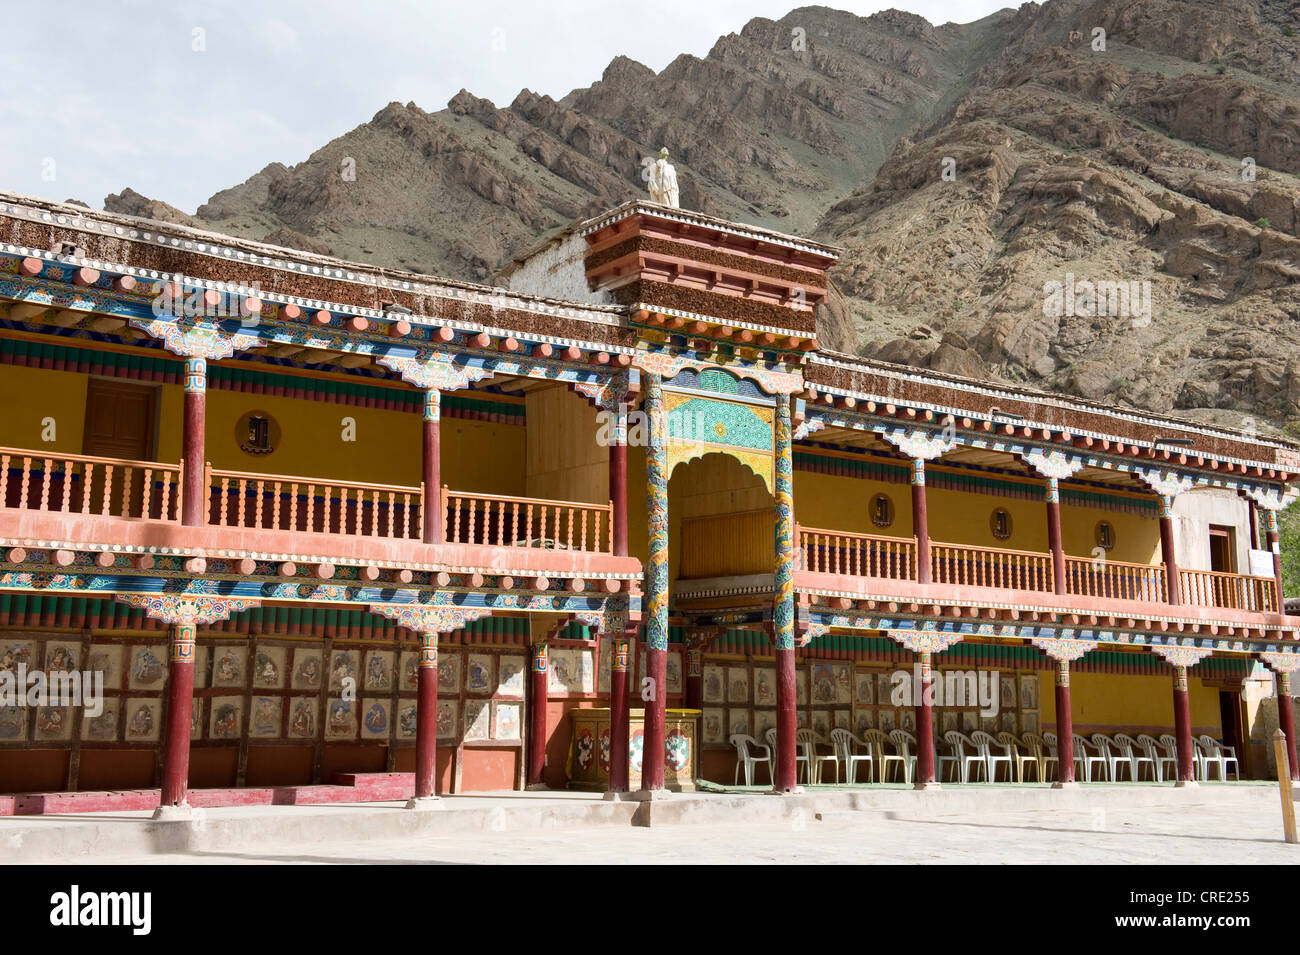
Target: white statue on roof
(663, 181)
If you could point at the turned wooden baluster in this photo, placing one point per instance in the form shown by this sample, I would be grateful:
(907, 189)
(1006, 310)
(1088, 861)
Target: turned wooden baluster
(26, 483)
(67, 486)
(106, 503)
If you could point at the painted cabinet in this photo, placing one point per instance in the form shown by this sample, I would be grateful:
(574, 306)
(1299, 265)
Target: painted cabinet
(589, 752)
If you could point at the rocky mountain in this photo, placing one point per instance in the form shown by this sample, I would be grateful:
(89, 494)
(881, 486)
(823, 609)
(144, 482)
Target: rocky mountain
(1165, 165)
(1094, 196)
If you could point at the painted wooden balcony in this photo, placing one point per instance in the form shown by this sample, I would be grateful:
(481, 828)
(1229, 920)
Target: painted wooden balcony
(103, 501)
(964, 566)
(79, 484)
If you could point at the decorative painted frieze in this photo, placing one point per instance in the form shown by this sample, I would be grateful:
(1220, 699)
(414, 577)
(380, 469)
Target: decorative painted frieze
(1061, 649)
(421, 618)
(1054, 464)
(1177, 656)
(1167, 484)
(1281, 662)
(209, 342)
(920, 445)
(924, 641)
(187, 608)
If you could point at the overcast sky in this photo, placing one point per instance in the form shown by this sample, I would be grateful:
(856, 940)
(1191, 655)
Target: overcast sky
(181, 99)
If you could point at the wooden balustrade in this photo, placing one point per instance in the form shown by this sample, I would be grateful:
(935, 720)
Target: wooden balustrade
(963, 565)
(1207, 588)
(1114, 580)
(81, 484)
(283, 502)
(501, 521)
(855, 555)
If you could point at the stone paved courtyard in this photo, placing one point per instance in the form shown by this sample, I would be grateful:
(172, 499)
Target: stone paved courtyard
(1223, 830)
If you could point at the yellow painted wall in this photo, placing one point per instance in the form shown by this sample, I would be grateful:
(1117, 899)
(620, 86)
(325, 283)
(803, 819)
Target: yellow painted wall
(1137, 539)
(476, 455)
(564, 462)
(713, 484)
(832, 502)
(1110, 702)
(961, 517)
(29, 395)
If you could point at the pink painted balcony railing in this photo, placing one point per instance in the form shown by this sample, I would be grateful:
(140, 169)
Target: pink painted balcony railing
(1206, 588)
(500, 521)
(287, 503)
(856, 555)
(966, 566)
(93, 486)
(1114, 580)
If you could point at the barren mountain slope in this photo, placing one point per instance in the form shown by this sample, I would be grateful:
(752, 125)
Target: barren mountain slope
(1169, 159)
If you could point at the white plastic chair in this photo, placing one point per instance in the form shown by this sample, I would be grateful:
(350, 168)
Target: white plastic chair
(749, 753)
(846, 747)
(960, 742)
(1203, 760)
(886, 753)
(1113, 758)
(1157, 756)
(799, 755)
(1013, 747)
(1221, 755)
(808, 741)
(905, 743)
(1129, 748)
(1082, 756)
(1042, 753)
(985, 742)
(1170, 743)
(1051, 740)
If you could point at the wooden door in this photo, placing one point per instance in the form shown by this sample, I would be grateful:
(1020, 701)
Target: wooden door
(1223, 553)
(120, 424)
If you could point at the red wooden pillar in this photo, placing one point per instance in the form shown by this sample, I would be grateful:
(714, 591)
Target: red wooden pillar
(619, 731)
(1064, 727)
(538, 689)
(1167, 548)
(923, 703)
(695, 677)
(618, 495)
(1054, 537)
(920, 525)
(426, 718)
(1254, 526)
(1286, 719)
(1272, 538)
(431, 471)
(1183, 728)
(180, 703)
(787, 721)
(194, 496)
(656, 720)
